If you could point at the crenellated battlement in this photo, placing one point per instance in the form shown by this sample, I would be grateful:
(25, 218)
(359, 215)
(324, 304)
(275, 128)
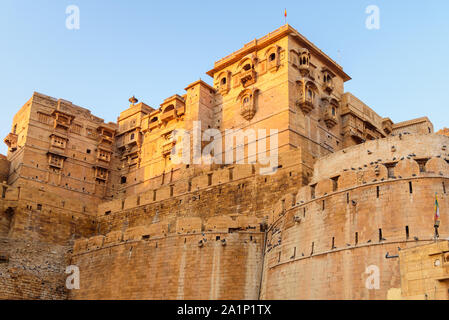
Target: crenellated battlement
(205, 230)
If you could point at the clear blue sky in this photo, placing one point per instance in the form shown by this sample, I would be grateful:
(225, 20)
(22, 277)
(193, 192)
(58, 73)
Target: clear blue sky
(155, 49)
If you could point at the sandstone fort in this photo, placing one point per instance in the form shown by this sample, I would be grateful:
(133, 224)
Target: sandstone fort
(350, 191)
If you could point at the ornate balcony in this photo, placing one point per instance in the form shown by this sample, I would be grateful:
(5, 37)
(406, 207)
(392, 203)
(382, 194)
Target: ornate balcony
(55, 160)
(11, 141)
(248, 78)
(328, 86)
(305, 104)
(304, 69)
(153, 125)
(180, 111)
(167, 148)
(330, 119)
(168, 115)
(101, 173)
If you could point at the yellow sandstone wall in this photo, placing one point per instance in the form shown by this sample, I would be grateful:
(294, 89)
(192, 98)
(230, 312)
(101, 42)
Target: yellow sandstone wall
(320, 243)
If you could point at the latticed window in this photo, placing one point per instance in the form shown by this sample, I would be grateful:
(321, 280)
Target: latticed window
(43, 118)
(76, 128)
(56, 161)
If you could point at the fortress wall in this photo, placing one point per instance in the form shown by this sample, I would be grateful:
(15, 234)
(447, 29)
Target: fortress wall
(34, 214)
(248, 193)
(382, 151)
(320, 245)
(32, 270)
(170, 267)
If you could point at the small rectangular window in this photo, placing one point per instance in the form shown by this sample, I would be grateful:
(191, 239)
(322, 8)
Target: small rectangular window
(335, 183)
(356, 238)
(312, 191)
(378, 192)
(380, 235)
(410, 187)
(209, 179)
(407, 232)
(390, 169)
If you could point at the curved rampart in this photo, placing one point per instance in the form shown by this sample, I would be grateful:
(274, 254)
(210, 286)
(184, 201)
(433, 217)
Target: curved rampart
(321, 242)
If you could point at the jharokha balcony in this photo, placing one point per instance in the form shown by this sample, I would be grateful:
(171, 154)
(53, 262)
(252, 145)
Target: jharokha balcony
(328, 86)
(330, 118)
(168, 115)
(248, 78)
(11, 141)
(305, 104)
(167, 148)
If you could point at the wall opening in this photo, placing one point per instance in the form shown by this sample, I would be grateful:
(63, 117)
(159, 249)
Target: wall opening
(422, 164)
(171, 191)
(410, 187)
(5, 188)
(154, 195)
(390, 169)
(231, 174)
(312, 191)
(380, 235)
(335, 183)
(313, 247)
(333, 242)
(407, 232)
(444, 188)
(378, 191)
(356, 238)
(209, 179)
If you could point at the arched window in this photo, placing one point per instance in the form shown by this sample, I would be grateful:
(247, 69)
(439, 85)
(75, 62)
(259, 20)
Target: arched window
(154, 119)
(272, 57)
(132, 136)
(247, 67)
(246, 101)
(169, 108)
(333, 111)
(223, 81)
